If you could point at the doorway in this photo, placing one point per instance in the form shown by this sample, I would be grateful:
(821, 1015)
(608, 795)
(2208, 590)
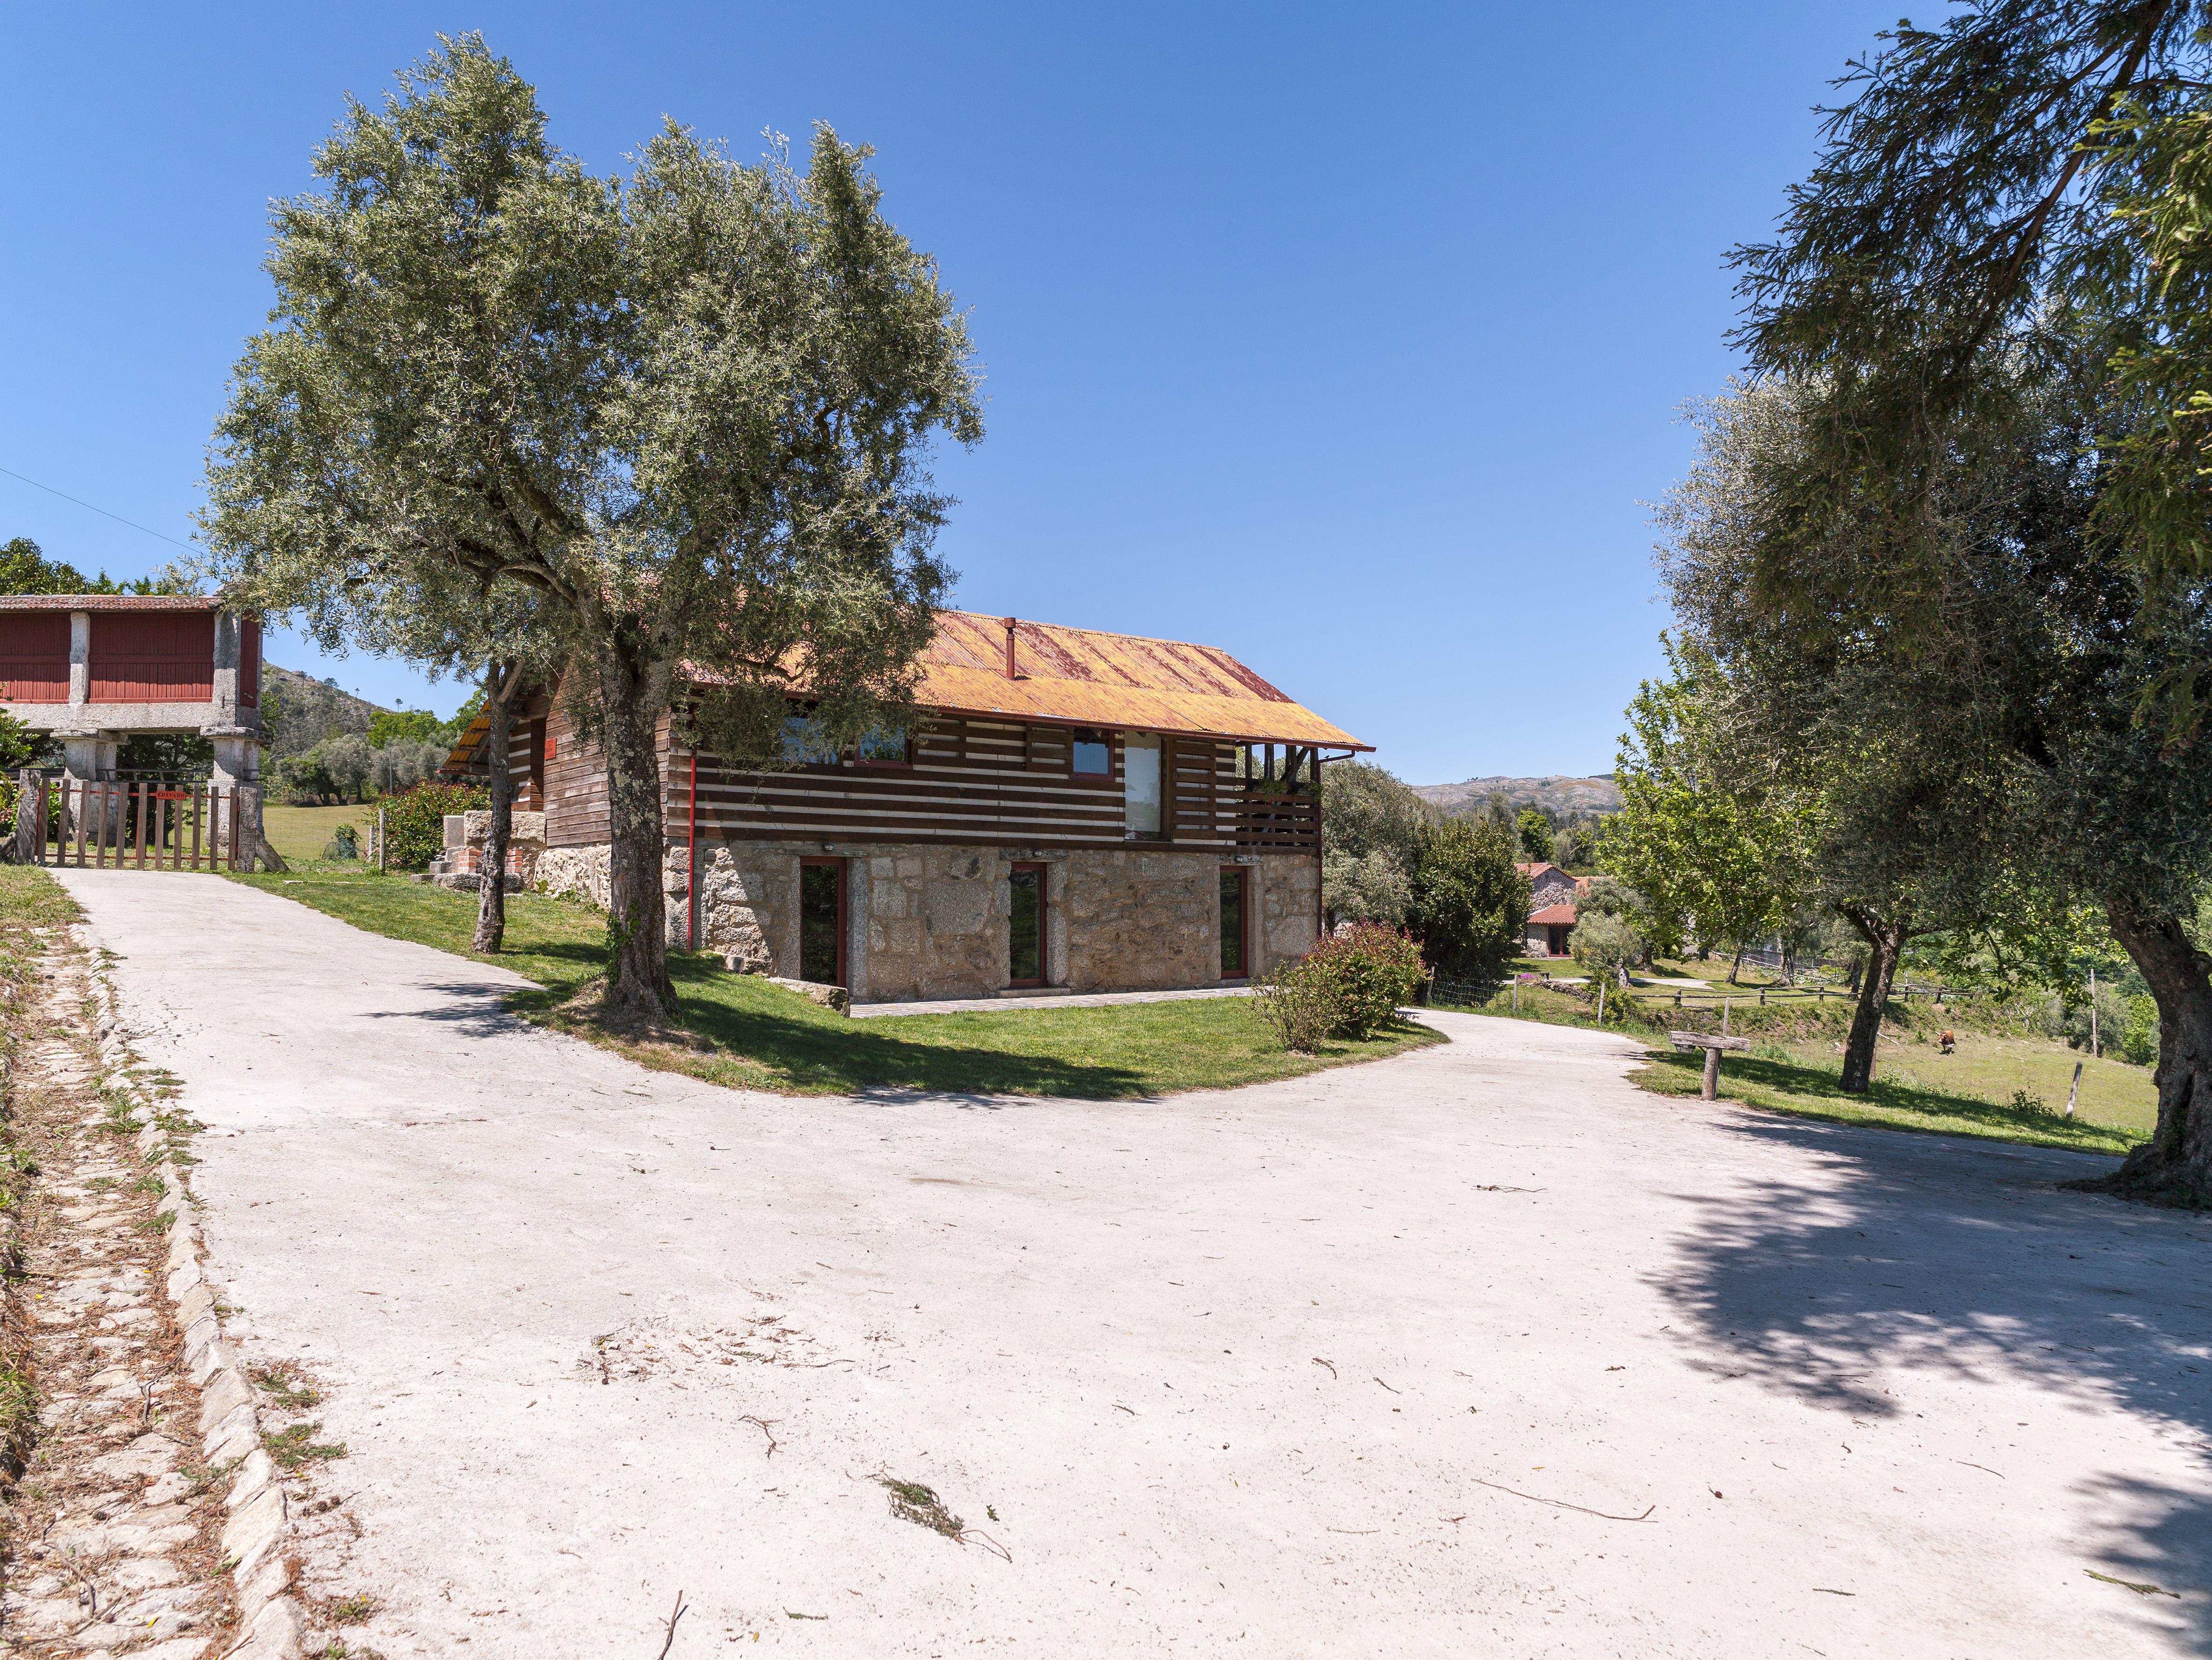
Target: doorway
(1235, 931)
(822, 921)
(1025, 915)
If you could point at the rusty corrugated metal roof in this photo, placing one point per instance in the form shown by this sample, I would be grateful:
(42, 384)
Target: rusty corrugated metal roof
(1086, 676)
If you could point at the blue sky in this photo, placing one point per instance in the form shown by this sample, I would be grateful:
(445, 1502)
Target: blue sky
(1350, 339)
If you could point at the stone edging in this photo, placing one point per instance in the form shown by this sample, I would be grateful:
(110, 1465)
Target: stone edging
(258, 1520)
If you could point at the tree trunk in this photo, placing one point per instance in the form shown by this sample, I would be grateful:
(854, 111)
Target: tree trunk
(1736, 967)
(1885, 939)
(2174, 1167)
(632, 691)
(501, 682)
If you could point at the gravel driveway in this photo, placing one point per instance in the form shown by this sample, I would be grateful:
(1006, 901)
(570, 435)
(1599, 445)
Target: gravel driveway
(1481, 1351)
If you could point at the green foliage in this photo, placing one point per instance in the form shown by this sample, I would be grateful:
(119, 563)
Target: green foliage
(1373, 971)
(1535, 832)
(388, 727)
(1298, 1006)
(1469, 906)
(1605, 944)
(415, 823)
(1371, 829)
(1711, 856)
(335, 770)
(24, 569)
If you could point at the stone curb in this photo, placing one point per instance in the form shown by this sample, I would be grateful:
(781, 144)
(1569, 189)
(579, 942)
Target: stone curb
(257, 1519)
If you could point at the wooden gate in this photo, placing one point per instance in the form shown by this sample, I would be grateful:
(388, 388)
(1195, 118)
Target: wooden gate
(92, 825)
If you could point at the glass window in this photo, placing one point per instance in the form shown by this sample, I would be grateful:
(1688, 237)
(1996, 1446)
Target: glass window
(885, 747)
(803, 742)
(1093, 754)
(820, 922)
(1232, 923)
(1141, 783)
(1025, 928)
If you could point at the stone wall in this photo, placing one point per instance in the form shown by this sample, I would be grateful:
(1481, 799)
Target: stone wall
(926, 922)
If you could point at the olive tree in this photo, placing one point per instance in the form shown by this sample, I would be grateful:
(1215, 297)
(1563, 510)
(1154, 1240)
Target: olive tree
(691, 405)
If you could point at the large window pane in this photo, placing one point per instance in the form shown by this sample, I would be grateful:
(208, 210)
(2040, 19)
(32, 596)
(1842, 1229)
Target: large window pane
(1140, 782)
(803, 742)
(883, 748)
(1093, 754)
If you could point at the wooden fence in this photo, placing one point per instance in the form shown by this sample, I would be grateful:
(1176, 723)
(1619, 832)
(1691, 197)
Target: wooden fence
(97, 825)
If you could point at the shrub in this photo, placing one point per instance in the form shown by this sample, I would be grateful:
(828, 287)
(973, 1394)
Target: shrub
(1373, 968)
(1301, 1005)
(344, 844)
(414, 824)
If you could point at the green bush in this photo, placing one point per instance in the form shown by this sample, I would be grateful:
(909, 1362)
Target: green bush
(414, 824)
(1373, 971)
(1300, 1004)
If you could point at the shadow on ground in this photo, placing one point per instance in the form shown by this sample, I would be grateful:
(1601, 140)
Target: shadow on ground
(1908, 1257)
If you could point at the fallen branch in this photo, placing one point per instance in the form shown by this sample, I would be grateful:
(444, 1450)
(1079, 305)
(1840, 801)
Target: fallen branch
(2140, 1587)
(682, 1607)
(989, 1543)
(1562, 1505)
(1318, 1361)
(761, 1424)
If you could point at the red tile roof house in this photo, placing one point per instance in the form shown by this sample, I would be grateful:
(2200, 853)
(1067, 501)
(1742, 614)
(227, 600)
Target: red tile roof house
(1552, 894)
(1078, 811)
(94, 670)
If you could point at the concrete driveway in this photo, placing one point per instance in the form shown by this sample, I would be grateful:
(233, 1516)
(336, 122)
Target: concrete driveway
(1477, 1351)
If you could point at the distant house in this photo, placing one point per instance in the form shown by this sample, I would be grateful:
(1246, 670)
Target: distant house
(1551, 896)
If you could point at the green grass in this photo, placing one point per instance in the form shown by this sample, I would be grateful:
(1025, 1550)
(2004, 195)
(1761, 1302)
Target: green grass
(761, 1036)
(301, 834)
(1900, 1100)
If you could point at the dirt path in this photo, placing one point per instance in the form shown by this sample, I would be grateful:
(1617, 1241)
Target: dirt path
(112, 1535)
(1382, 1362)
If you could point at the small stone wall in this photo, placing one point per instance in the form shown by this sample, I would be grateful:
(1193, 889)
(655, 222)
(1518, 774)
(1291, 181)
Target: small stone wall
(926, 922)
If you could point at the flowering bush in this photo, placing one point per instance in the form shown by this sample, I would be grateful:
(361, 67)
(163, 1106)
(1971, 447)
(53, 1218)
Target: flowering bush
(415, 823)
(1348, 986)
(1373, 968)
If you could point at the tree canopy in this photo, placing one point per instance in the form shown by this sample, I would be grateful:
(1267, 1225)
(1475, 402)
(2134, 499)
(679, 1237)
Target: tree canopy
(691, 406)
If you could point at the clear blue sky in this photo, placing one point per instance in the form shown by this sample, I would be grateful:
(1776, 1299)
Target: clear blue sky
(1348, 339)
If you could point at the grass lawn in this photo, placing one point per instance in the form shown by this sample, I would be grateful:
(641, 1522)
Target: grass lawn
(756, 1035)
(1897, 1101)
(300, 834)
(1797, 1066)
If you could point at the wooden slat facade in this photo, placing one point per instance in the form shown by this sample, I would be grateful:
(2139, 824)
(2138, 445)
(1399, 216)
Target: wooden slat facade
(972, 780)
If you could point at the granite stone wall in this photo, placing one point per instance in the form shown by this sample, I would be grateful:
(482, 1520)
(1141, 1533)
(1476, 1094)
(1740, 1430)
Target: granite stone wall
(927, 922)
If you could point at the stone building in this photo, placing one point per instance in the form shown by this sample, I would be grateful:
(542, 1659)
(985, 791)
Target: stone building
(1077, 812)
(1552, 898)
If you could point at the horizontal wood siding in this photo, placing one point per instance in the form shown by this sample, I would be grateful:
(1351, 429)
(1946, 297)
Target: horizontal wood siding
(153, 657)
(575, 785)
(34, 654)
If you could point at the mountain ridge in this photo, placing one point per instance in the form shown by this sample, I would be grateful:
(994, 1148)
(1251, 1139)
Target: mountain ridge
(1557, 794)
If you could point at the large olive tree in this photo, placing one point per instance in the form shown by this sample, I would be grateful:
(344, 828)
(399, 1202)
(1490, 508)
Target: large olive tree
(691, 406)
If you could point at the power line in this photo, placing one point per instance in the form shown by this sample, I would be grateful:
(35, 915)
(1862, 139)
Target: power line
(102, 511)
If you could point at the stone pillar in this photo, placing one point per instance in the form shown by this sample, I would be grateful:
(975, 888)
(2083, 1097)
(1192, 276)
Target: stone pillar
(88, 757)
(80, 658)
(238, 770)
(227, 637)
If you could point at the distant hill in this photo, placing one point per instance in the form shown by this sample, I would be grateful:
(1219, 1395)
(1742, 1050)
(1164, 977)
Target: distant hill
(299, 711)
(1554, 795)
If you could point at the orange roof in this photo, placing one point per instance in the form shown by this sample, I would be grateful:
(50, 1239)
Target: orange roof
(1555, 915)
(1084, 677)
(1089, 678)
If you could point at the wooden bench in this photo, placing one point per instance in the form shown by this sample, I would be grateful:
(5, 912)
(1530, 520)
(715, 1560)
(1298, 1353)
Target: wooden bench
(1712, 1046)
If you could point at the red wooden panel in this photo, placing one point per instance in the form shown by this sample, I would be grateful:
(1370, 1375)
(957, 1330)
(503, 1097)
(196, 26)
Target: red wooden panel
(153, 657)
(249, 661)
(34, 666)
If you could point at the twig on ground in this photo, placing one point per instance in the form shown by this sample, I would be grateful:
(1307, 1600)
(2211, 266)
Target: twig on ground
(989, 1543)
(1985, 1469)
(1318, 1361)
(1562, 1505)
(761, 1424)
(1351, 1530)
(1491, 1187)
(1118, 1407)
(1388, 1387)
(669, 1641)
(2140, 1587)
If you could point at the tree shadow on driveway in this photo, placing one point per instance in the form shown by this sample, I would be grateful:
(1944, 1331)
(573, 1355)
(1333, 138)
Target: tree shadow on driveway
(1925, 1256)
